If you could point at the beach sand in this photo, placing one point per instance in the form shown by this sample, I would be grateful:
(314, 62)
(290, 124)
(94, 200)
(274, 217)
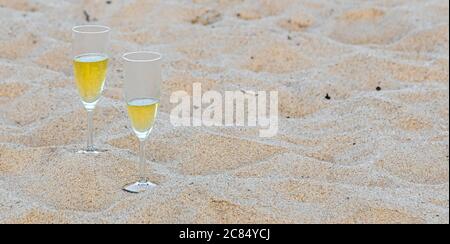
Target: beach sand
(374, 150)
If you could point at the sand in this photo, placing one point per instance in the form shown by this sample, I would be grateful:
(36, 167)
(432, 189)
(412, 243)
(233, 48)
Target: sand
(374, 150)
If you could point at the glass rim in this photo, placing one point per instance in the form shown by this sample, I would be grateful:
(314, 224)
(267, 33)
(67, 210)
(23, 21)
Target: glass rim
(104, 28)
(159, 57)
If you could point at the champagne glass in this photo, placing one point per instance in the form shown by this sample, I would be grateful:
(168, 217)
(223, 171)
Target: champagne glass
(142, 73)
(90, 61)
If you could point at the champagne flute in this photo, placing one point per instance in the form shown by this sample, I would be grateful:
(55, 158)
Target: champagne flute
(142, 73)
(90, 65)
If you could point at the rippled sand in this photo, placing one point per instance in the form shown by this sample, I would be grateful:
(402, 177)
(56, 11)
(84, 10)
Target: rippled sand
(375, 151)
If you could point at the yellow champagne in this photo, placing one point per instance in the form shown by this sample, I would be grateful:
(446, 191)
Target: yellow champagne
(142, 113)
(90, 75)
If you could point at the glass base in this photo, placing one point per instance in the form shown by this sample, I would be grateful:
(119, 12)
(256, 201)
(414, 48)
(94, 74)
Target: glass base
(139, 187)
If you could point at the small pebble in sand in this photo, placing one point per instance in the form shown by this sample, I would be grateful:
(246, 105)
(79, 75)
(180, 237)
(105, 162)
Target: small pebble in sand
(108, 2)
(87, 16)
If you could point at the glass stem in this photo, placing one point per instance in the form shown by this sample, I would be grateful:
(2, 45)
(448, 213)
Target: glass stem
(90, 139)
(143, 179)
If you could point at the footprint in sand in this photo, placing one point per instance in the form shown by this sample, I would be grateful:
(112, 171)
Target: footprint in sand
(139, 9)
(304, 192)
(277, 58)
(263, 9)
(355, 68)
(37, 106)
(210, 154)
(369, 26)
(410, 122)
(422, 163)
(12, 90)
(295, 103)
(19, 5)
(38, 216)
(370, 14)
(15, 159)
(217, 210)
(6, 71)
(432, 40)
(296, 23)
(378, 215)
(75, 184)
(183, 82)
(56, 59)
(18, 47)
(207, 17)
(71, 127)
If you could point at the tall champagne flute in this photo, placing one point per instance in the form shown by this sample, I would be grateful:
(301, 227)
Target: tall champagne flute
(90, 61)
(142, 73)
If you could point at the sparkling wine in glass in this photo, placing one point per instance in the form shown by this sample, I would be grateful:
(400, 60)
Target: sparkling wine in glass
(142, 73)
(90, 62)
